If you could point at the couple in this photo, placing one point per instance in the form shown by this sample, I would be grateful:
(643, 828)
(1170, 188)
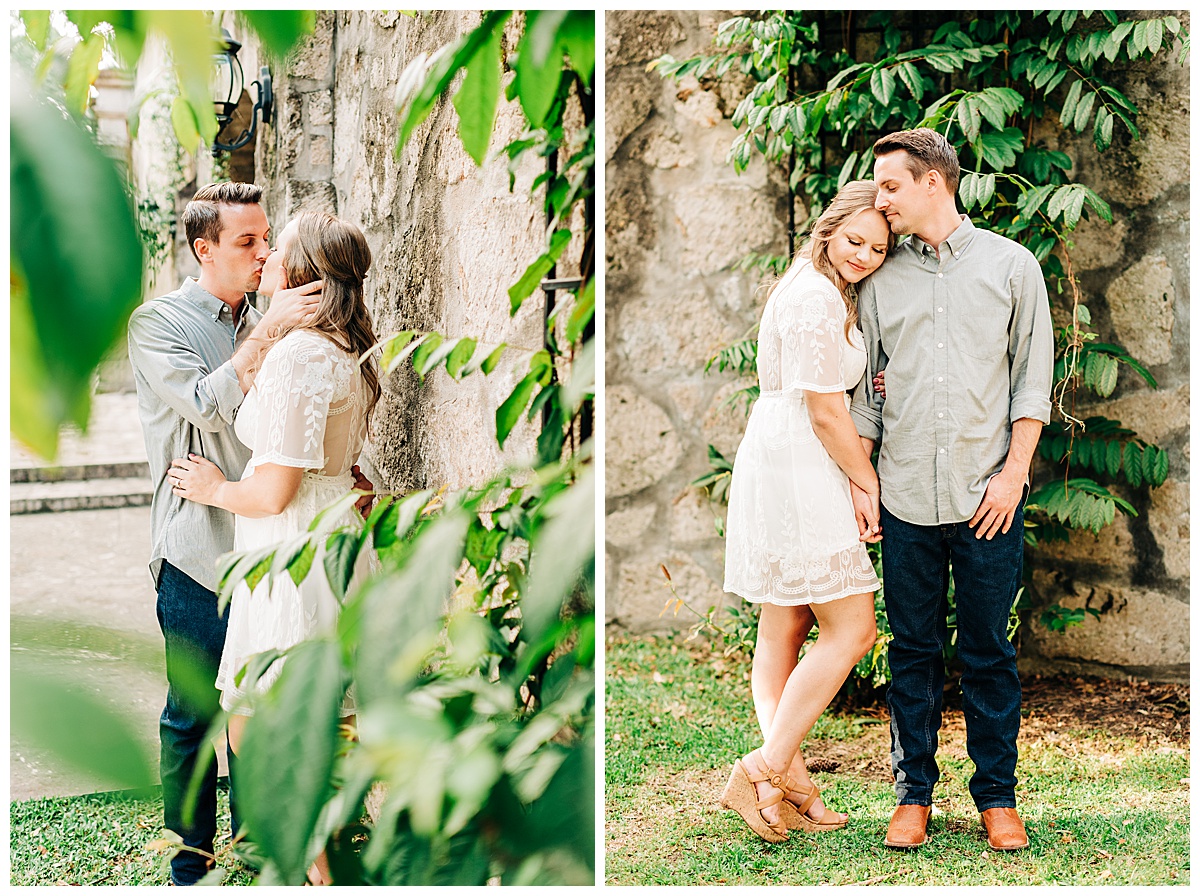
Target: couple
(253, 423)
(960, 318)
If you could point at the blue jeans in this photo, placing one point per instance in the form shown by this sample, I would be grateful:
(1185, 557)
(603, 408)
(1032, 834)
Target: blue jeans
(195, 637)
(916, 575)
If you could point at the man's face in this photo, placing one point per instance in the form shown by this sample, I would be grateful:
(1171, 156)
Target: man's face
(904, 200)
(238, 256)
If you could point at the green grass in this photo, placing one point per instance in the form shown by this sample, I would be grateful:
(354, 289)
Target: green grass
(1099, 809)
(101, 839)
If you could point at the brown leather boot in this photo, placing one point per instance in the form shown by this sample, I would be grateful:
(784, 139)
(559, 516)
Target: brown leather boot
(1004, 827)
(907, 827)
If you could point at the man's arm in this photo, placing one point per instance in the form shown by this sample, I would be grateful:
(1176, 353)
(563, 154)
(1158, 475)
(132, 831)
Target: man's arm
(866, 405)
(1004, 490)
(289, 308)
(1031, 362)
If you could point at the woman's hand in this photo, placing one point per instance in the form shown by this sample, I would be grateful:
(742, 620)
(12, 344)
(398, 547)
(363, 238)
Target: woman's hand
(880, 385)
(195, 479)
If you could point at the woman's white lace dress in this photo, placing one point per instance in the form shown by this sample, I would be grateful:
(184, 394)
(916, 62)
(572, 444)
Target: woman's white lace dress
(791, 535)
(307, 408)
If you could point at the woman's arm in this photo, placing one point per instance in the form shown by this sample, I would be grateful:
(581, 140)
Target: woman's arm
(265, 493)
(833, 426)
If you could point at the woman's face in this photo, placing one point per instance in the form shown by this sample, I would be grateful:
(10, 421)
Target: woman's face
(273, 278)
(856, 249)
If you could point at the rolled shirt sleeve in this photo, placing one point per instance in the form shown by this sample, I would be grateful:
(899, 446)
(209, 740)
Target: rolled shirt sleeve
(1030, 346)
(177, 374)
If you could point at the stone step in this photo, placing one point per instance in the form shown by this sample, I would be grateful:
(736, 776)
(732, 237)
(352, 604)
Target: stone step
(74, 494)
(78, 472)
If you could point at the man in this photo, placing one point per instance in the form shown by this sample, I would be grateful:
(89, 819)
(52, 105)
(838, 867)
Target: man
(959, 317)
(194, 353)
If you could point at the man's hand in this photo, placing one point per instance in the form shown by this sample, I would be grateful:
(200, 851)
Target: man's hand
(866, 514)
(363, 484)
(291, 308)
(999, 505)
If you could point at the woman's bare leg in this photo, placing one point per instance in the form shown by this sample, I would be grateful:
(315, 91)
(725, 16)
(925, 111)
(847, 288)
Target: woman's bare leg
(318, 872)
(846, 631)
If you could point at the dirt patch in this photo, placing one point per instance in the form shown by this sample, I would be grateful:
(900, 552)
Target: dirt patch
(1157, 712)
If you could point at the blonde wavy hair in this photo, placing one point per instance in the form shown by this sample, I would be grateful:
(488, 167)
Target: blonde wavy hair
(854, 197)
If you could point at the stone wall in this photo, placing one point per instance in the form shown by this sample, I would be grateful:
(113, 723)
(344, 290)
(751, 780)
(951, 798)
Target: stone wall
(678, 216)
(448, 238)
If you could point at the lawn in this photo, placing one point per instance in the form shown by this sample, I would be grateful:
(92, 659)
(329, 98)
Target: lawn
(1103, 784)
(104, 839)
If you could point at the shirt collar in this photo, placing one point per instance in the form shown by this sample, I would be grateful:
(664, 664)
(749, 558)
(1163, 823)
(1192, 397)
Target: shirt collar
(210, 304)
(957, 241)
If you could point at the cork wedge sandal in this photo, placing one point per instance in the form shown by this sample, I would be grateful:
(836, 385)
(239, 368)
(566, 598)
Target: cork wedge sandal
(799, 817)
(740, 796)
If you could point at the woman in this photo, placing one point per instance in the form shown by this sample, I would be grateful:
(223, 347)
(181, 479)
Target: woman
(794, 544)
(305, 420)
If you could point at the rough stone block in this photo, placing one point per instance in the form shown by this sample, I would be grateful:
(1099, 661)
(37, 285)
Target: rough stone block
(692, 517)
(320, 108)
(1141, 303)
(641, 445)
(717, 225)
(642, 592)
(635, 37)
(1170, 523)
(1153, 414)
(724, 425)
(320, 154)
(314, 58)
(1135, 628)
(627, 528)
(672, 331)
(306, 195)
(637, 103)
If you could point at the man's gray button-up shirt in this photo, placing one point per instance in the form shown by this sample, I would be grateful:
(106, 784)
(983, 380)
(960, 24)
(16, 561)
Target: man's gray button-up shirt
(965, 335)
(180, 346)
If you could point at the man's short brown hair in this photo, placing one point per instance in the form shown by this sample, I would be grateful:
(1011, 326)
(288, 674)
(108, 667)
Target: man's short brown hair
(202, 216)
(927, 151)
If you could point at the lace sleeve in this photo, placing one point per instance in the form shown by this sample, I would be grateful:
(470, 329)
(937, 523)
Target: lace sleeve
(810, 320)
(295, 387)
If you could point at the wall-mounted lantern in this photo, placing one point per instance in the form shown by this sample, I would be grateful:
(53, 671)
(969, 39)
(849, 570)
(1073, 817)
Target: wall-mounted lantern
(227, 85)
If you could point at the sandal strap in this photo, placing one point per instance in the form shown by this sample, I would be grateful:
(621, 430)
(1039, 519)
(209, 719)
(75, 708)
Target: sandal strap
(781, 782)
(810, 797)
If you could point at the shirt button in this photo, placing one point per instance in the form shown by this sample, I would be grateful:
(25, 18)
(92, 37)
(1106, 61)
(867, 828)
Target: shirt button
(939, 379)
(939, 311)
(939, 275)
(941, 451)
(939, 345)
(940, 416)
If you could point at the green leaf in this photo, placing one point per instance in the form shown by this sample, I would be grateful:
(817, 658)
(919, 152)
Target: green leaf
(966, 189)
(578, 37)
(287, 757)
(37, 26)
(1084, 111)
(425, 347)
(82, 69)
(1114, 458)
(883, 85)
(539, 63)
(510, 411)
(75, 266)
(1067, 114)
(1102, 135)
(259, 570)
(1106, 380)
(582, 313)
(430, 361)
(187, 129)
(475, 101)
(1160, 465)
(341, 550)
(1149, 461)
(394, 350)
(419, 89)
(536, 272)
(300, 564)
(490, 362)
(1133, 463)
(912, 79)
(459, 357)
(280, 30)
